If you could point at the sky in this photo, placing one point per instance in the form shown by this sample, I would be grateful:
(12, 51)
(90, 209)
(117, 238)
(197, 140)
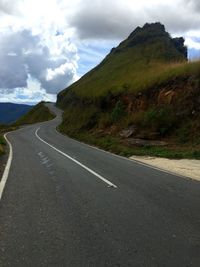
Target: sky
(46, 45)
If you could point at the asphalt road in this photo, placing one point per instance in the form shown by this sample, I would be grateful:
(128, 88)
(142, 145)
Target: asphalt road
(56, 212)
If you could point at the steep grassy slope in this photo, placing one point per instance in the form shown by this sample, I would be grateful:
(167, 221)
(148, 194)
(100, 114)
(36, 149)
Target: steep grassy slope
(145, 58)
(145, 87)
(38, 113)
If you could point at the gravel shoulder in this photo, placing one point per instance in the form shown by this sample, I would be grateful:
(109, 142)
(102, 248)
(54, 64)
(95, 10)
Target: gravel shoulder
(184, 167)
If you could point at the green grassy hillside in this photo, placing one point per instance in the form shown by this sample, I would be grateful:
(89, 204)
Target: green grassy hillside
(145, 84)
(147, 57)
(38, 113)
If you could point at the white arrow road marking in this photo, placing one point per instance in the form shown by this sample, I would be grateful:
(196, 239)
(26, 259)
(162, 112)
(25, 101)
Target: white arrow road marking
(76, 161)
(7, 168)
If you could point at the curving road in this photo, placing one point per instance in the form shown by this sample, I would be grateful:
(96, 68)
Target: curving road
(68, 204)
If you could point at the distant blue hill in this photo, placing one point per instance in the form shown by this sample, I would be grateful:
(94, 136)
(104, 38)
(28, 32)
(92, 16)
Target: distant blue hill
(10, 112)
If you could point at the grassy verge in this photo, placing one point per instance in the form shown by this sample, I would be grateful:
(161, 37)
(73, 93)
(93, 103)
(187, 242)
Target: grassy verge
(3, 130)
(2, 145)
(89, 126)
(119, 147)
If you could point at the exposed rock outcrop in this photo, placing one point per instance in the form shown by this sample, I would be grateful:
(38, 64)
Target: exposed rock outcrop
(145, 143)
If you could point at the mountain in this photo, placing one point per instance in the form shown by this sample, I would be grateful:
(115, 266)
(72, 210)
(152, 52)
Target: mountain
(135, 64)
(10, 112)
(37, 113)
(144, 89)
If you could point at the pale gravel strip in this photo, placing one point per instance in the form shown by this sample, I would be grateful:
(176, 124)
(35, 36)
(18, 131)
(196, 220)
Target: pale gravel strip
(184, 167)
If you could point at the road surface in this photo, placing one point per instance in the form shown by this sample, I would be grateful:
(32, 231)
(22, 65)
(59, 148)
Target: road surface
(68, 204)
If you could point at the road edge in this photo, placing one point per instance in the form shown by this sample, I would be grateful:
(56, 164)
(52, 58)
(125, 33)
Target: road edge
(126, 158)
(129, 159)
(7, 167)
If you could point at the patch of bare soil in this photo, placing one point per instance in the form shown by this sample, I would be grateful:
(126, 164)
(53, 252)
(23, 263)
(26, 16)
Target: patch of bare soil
(184, 167)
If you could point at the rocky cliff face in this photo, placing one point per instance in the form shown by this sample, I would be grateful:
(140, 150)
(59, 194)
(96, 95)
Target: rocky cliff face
(179, 44)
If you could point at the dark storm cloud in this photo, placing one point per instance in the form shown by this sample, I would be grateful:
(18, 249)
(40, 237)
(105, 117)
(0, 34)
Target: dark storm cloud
(21, 55)
(104, 19)
(194, 4)
(115, 19)
(13, 71)
(59, 82)
(177, 20)
(10, 75)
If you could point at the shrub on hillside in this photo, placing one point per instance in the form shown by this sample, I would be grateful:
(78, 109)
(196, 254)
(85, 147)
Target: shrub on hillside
(118, 112)
(162, 120)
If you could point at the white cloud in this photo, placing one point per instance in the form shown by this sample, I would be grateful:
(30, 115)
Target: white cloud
(61, 70)
(23, 54)
(31, 94)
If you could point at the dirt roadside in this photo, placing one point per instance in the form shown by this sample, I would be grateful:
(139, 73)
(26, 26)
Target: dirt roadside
(184, 167)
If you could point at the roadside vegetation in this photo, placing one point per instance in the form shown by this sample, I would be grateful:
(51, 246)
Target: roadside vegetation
(117, 146)
(3, 130)
(177, 147)
(2, 145)
(145, 87)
